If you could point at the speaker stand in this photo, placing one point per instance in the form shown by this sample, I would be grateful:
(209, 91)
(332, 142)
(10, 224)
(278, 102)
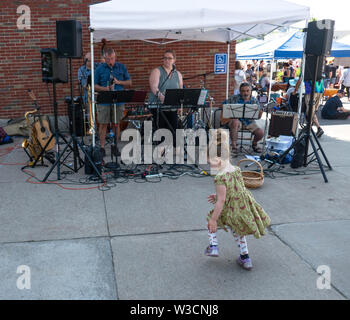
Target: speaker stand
(73, 140)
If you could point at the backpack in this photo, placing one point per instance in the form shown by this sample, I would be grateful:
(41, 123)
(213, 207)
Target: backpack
(4, 137)
(298, 156)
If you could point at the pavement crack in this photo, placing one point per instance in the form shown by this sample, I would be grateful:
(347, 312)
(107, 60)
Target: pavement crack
(271, 232)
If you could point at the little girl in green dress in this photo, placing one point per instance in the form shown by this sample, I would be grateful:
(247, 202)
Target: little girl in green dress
(235, 206)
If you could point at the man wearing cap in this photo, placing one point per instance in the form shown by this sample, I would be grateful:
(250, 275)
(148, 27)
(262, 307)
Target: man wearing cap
(333, 109)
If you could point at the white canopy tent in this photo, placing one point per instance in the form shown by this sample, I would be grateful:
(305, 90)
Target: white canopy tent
(198, 20)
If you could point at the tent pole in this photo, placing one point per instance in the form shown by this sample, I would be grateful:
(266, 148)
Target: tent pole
(228, 70)
(302, 81)
(92, 87)
(270, 84)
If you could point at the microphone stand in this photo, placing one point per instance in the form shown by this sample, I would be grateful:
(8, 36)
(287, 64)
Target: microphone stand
(114, 149)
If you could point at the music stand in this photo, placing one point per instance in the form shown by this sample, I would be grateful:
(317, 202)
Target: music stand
(112, 98)
(179, 97)
(187, 97)
(241, 111)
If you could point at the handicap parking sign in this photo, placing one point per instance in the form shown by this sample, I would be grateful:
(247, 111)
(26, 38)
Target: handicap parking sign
(220, 63)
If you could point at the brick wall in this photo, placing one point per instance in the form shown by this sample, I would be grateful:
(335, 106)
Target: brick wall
(20, 64)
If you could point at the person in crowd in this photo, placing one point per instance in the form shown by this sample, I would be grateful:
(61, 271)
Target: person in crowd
(327, 73)
(291, 89)
(83, 75)
(234, 206)
(255, 66)
(332, 73)
(250, 74)
(292, 69)
(333, 109)
(239, 77)
(318, 94)
(162, 78)
(345, 81)
(110, 76)
(245, 96)
(264, 81)
(286, 72)
(261, 68)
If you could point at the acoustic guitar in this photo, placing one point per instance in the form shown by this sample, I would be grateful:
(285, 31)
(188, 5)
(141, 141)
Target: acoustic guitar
(41, 126)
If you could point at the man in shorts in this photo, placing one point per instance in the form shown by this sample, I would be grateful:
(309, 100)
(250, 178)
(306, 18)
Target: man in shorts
(244, 97)
(110, 76)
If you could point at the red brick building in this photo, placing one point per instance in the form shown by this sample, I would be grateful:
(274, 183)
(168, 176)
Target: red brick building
(20, 63)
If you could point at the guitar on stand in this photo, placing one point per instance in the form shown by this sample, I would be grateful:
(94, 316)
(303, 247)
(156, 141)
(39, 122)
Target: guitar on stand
(40, 139)
(41, 126)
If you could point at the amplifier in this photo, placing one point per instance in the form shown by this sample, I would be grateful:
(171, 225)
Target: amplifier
(283, 123)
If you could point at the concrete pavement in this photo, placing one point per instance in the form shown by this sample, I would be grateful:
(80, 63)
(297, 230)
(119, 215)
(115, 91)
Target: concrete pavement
(146, 240)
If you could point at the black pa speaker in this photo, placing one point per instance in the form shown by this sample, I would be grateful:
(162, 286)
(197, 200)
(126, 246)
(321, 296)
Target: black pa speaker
(69, 38)
(77, 108)
(319, 37)
(54, 69)
(313, 65)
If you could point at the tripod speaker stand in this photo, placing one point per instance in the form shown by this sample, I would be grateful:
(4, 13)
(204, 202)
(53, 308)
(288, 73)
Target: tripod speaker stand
(305, 134)
(73, 140)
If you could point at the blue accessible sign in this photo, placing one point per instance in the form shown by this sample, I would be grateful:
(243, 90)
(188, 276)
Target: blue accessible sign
(220, 63)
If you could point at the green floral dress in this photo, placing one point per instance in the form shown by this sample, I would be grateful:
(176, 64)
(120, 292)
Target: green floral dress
(241, 213)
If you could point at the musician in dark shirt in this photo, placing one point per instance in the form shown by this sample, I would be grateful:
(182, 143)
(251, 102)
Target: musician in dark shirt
(162, 78)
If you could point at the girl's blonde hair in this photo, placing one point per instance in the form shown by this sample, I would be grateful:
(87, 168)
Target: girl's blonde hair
(219, 145)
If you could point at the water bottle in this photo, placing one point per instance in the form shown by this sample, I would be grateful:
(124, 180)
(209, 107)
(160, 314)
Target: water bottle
(111, 134)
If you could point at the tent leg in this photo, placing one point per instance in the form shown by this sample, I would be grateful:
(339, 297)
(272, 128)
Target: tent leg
(92, 87)
(270, 85)
(300, 102)
(228, 70)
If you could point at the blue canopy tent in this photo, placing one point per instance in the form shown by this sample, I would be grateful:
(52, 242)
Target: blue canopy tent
(290, 46)
(294, 47)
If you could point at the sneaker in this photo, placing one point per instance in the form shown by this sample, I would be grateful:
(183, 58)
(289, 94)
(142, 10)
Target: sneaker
(245, 263)
(212, 251)
(319, 133)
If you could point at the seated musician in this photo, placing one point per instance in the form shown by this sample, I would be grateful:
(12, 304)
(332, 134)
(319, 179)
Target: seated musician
(234, 125)
(165, 77)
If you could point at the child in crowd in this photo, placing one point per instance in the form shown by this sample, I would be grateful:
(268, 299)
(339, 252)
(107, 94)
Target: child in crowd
(235, 206)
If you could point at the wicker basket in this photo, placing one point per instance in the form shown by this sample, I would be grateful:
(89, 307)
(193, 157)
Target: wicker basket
(252, 179)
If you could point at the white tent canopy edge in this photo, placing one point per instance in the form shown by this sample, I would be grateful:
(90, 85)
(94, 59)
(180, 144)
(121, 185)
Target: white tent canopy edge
(198, 20)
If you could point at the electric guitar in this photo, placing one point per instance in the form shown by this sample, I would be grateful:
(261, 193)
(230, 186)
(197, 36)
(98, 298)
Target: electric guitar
(41, 126)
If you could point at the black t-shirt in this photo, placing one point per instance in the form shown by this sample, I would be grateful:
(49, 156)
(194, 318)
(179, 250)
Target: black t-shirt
(331, 106)
(327, 69)
(333, 68)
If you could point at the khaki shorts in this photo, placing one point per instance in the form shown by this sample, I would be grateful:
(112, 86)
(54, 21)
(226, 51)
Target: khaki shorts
(105, 113)
(252, 126)
(317, 100)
